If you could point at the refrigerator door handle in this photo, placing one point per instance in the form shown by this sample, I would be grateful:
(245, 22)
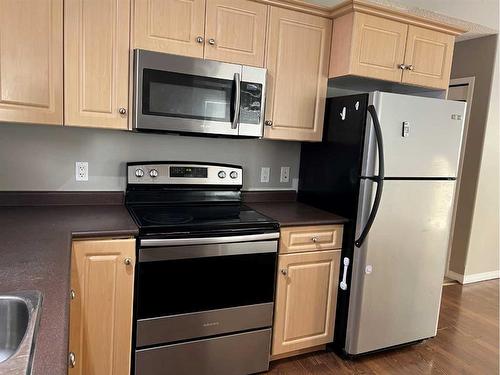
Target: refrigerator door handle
(378, 179)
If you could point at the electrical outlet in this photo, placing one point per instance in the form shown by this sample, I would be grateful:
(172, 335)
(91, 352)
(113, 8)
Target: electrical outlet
(264, 174)
(82, 171)
(285, 174)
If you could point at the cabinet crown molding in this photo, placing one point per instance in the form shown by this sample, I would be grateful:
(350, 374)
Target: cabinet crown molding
(369, 7)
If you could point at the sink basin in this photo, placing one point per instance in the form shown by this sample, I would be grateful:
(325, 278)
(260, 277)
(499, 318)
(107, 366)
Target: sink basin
(19, 316)
(14, 318)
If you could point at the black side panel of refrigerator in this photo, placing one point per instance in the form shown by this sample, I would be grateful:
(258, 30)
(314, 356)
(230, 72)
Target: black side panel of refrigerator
(329, 180)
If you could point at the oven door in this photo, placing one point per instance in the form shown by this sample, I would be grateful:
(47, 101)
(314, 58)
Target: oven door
(197, 287)
(183, 94)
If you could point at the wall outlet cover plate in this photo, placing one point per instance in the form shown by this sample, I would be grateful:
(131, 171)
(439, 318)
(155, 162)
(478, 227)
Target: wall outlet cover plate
(81, 171)
(264, 174)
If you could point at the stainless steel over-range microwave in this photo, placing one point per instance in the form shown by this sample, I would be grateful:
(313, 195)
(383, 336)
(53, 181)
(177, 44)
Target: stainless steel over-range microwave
(190, 95)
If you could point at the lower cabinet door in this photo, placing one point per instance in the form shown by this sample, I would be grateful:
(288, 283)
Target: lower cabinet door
(306, 299)
(102, 283)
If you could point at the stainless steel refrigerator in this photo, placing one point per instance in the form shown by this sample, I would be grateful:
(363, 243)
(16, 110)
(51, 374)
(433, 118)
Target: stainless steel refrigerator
(388, 162)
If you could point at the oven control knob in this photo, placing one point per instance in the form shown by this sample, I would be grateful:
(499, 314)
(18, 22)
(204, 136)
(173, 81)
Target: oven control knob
(153, 173)
(233, 174)
(221, 174)
(139, 173)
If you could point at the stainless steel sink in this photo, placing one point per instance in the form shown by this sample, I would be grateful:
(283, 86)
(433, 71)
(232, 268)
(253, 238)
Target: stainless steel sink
(19, 315)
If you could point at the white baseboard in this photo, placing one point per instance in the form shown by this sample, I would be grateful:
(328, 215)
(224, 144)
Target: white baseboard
(473, 278)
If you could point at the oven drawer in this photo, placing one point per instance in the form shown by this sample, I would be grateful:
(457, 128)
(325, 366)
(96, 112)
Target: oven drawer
(238, 354)
(310, 238)
(202, 324)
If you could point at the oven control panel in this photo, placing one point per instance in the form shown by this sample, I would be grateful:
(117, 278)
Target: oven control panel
(183, 174)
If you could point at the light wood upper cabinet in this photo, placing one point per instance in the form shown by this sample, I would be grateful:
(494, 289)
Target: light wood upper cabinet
(297, 62)
(170, 26)
(428, 57)
(96, 61)
(390, 46)
(306, 298)
(100, 332)
(378, 47)
(238, 31)
(31, 61)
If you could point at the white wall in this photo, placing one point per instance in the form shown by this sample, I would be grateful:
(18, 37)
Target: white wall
(483, 251)
(37, 157)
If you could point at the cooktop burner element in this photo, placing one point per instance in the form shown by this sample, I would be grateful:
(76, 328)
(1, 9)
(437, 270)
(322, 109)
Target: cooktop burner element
(179, 200)
(165, 218)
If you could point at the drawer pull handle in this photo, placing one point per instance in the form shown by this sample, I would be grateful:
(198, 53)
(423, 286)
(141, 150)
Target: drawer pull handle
(343, 283)
(315, 239)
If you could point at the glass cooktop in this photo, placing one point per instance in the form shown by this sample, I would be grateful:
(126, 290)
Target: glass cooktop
(154, 219)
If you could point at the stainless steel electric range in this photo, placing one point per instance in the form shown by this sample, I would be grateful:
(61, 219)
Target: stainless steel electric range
(206, 271)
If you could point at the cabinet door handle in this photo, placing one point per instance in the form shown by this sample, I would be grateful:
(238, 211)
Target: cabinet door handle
(284, 271)
(127, 261)
(199, 39)
(72, 294)
(72, 359)
(211, 41)
(402, 66)
(343, 283)
(268, 123)
(122, 111)
(410, 67)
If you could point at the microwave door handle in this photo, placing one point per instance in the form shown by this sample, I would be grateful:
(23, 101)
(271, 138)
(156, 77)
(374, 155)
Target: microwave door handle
(237, 100)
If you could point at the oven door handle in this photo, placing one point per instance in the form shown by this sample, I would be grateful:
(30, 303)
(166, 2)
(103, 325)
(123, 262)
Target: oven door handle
(162, 253)
(237, 101)
(155, 242)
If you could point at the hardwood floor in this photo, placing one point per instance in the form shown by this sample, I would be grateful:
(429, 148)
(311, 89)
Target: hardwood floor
(467, 343)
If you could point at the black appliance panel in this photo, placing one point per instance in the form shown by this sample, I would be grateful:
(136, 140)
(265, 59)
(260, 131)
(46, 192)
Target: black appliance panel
(199, 284)
(329, 180)
(187, 96)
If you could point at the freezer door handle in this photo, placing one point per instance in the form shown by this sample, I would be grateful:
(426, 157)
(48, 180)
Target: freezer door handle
(378, 179)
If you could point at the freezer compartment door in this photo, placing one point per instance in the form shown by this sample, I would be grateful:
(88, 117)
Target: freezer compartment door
(398, 271)
(422, 136)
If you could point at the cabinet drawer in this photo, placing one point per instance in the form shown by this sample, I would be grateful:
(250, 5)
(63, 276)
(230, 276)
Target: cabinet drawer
(310, 238)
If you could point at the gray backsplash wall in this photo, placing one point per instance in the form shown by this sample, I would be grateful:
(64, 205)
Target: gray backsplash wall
(36, 157)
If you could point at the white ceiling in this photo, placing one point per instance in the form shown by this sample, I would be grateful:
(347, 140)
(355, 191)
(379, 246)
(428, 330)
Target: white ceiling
(480, 17)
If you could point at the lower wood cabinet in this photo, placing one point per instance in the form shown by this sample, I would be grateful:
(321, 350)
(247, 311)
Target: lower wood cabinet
(102, 283)
(306, 298)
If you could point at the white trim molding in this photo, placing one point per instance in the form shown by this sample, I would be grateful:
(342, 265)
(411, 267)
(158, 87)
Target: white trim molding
(473, 278)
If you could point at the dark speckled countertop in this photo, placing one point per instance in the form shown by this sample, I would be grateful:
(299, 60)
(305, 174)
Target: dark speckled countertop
(35, 255)
(35, 251)
(294, 213)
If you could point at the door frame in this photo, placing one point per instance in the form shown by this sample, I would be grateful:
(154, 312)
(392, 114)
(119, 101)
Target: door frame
(469, 82)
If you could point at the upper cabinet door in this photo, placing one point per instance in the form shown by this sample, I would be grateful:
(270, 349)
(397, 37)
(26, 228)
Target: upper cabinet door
(428, 57)
(31, 61)
(96, 62)
(171, 26)
(236, 31)
(297, 61)
(378, 47)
